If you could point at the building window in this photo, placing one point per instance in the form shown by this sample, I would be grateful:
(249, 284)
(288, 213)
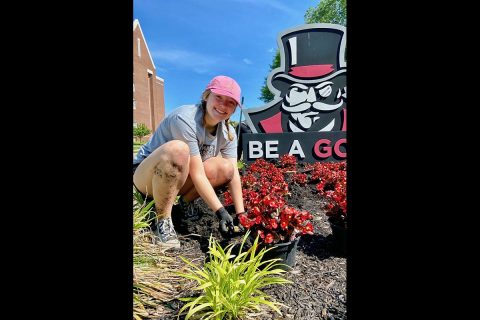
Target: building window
(134, 124)
(134, 104)
(139, 48)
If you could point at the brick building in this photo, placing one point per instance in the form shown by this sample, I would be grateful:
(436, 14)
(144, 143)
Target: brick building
(148, 88)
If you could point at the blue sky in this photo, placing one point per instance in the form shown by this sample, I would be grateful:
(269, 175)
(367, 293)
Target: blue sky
(191, 41)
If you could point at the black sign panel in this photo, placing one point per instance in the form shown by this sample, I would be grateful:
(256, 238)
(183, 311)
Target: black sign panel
(305, 146)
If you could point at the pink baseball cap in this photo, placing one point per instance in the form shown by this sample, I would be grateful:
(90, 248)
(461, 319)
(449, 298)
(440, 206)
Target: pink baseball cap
(226, 86)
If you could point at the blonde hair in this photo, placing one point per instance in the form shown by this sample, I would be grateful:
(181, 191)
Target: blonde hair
(203, 104)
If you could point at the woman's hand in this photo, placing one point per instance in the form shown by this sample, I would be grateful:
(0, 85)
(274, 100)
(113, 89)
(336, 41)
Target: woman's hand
(226, 220)
(227, 223)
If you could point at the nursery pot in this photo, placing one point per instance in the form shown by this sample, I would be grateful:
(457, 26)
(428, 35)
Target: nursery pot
(339, 236)
(285, 251)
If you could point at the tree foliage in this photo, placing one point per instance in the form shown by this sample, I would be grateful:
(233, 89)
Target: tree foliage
(327, 11)
(265, 94)
(140, 131)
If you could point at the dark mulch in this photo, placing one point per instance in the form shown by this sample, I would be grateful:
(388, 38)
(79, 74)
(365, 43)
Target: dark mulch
(319, 276)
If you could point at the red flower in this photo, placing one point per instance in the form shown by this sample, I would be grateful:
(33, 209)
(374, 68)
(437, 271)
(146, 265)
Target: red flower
(268, 213)
(332, 186)
(308, 229)
(273, 223)
(268, 238)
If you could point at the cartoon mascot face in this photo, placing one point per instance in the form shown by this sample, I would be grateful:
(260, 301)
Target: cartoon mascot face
(309, 86)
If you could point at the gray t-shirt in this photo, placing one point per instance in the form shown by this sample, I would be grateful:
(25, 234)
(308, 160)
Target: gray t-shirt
(185, 124)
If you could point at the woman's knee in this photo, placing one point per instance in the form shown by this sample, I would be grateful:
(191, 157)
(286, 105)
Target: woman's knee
(170, 163)
(173, 159)
(220, 171)
(175, 153)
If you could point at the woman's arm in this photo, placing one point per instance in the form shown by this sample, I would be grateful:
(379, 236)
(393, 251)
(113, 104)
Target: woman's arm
(235, 187)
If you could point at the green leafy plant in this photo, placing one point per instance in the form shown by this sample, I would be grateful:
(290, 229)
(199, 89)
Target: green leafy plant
(231, 288)
(143, 213)
(240, 164)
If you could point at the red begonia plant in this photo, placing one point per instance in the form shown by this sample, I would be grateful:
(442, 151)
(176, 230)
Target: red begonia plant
(268, 214)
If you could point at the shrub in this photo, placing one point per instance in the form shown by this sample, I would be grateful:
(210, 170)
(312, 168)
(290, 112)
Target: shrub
(140, 131)
(231, 288)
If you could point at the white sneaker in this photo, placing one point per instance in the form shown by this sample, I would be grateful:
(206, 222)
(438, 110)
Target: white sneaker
(166, 234)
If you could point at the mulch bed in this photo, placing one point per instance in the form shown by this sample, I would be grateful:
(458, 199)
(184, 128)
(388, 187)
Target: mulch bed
(319, 276)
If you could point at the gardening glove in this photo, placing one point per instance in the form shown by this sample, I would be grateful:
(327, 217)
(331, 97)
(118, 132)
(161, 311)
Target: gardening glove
(226, 220)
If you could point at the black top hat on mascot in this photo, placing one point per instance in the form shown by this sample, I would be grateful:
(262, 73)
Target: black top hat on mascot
(310, 56)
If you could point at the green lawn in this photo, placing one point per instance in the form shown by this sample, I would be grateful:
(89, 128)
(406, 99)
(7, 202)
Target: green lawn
(137, 145)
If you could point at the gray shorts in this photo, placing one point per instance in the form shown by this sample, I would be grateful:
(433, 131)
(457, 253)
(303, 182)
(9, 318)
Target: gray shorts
(135, 166)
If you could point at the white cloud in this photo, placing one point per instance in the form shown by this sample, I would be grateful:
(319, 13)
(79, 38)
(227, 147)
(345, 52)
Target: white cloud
(247, 61)
(161, 70)
(271, 50)
(271, 3)
(185, 59)
(200, 70)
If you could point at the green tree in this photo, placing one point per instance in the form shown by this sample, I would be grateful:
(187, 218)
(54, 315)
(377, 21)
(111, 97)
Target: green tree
(266, 95)
(140, 131)
(327, 11)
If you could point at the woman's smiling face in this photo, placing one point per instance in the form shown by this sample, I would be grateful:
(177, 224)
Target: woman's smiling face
(219, 107)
